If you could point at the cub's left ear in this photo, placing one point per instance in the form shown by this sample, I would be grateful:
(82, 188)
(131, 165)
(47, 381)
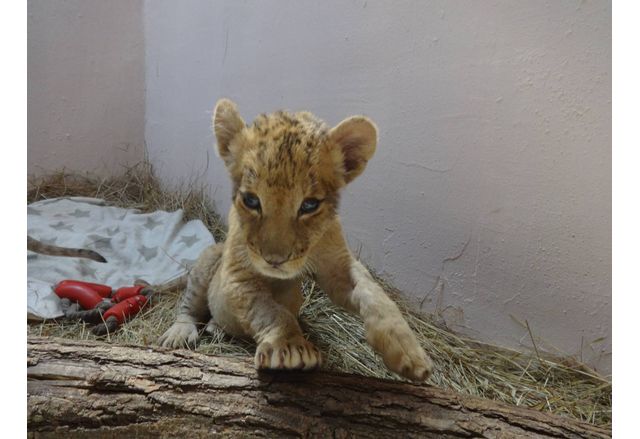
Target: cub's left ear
(355, 138)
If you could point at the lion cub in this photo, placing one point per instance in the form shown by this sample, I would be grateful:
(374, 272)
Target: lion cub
(287, 171)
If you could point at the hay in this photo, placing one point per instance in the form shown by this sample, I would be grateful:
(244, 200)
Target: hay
(560, 386)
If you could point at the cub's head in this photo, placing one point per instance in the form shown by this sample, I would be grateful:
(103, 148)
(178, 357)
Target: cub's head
(287, 170)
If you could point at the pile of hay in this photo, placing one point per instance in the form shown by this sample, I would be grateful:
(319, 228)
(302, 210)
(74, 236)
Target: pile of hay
(561, 387)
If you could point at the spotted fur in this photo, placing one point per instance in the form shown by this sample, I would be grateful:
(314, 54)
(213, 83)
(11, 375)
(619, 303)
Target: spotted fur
(250, 284)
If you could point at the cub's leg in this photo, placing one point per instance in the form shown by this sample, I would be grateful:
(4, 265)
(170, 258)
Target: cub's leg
(192, 307)
(264, 310)
(288, 293)
(349, 284)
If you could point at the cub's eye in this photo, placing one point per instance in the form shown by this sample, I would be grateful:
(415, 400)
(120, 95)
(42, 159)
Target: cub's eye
(251, 201)
(309, 205)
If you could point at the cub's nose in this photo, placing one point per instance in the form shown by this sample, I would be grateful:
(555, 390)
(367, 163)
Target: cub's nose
(275, 260)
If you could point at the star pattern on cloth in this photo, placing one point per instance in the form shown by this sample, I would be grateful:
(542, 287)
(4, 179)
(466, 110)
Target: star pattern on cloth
(62, 226)
(85, 269)
(157, 247)
(100, 242)
(80, 213)
(148, 252)
(61, 272)
(151, 223)
(189, 240)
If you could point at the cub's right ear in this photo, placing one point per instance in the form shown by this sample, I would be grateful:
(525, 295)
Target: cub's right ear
(227, 123)
(355, 140)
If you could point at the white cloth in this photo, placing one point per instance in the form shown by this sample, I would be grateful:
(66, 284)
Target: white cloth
(156, 247)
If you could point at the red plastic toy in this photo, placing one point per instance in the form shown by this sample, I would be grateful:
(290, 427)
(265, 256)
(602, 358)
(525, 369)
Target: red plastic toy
(118, 314)
(101, 304)
(103, 290)
(87, 297)
(127, 292)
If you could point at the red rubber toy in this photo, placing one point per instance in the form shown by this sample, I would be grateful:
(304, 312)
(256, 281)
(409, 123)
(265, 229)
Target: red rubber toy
(85, 296)
(125, 309)
(102, 303)
(103, 290)
(126, 292)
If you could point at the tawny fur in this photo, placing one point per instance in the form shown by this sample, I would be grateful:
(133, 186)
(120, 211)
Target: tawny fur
(250, 284)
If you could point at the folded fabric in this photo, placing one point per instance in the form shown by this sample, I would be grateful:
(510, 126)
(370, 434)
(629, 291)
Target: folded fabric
(156, 247)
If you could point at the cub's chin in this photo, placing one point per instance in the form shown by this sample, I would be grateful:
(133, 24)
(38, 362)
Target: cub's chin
(288, 270)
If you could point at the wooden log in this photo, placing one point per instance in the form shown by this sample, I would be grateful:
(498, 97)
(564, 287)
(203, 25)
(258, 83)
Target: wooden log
(91, 389)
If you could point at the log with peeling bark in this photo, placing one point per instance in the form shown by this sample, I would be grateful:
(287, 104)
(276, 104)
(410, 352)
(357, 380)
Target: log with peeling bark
(90, 389)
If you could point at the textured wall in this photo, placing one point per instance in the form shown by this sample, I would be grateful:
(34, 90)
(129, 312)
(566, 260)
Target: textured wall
(489, 198)
(86, 85)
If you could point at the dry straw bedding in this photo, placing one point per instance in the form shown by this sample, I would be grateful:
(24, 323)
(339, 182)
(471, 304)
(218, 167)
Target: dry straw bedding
(561, 386)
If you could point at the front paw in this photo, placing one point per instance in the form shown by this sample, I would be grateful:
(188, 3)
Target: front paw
(179, 335)
(400, 349)
(293, 353)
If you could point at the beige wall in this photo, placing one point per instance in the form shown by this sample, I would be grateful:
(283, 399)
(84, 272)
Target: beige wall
(489, 199)
(85, 85)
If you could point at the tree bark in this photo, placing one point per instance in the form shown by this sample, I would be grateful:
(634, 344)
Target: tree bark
(90, 389)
